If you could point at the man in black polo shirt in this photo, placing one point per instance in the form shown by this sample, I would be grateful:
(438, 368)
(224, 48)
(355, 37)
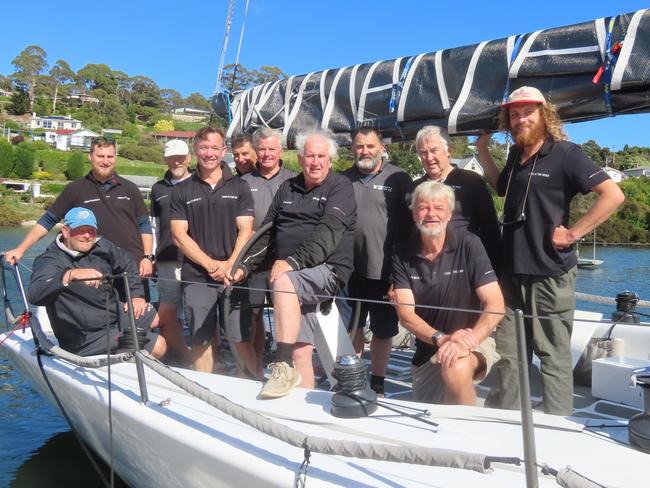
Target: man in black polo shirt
(168, 258)
(117, 203)
(381, 191)
(440, 267)
(211, 219)
(542, 175)
(474, 209)
(313, 217)
(268, 174)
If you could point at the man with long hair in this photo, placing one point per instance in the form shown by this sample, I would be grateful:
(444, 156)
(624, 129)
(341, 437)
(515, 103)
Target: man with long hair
(542, 175)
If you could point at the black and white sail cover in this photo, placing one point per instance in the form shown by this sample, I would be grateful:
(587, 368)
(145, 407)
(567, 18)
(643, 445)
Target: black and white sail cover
(589, 70)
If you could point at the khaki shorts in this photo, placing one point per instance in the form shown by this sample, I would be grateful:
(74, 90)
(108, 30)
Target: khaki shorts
(427, 379)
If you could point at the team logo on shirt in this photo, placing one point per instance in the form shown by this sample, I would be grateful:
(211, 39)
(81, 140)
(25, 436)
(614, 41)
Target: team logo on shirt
(319, 199)
(193, 200)
(454, 271)
(543, 175)
(415, 277)
(231, 197)
(92, 200)
(124, 198)
(160, 198)
(382, 188)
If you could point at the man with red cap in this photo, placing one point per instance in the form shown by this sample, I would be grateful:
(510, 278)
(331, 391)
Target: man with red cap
(543, 173)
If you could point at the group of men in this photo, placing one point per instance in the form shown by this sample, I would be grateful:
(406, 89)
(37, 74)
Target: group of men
(434, 246)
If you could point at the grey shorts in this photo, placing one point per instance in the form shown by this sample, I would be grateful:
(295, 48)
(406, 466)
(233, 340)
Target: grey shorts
(169, 284)
(310, 282)
(203, 307)
(427, 378)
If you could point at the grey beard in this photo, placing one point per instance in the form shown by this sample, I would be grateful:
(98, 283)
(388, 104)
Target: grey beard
(428, 231)
(367, 164)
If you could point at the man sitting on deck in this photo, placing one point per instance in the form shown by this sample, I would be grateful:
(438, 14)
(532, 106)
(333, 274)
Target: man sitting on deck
(67, 279)
(450, 269)
(313, 217)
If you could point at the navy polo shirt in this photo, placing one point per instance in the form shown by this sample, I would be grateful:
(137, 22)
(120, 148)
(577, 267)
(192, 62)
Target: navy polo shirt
(474, 209)
(297, 211)
(161, 196)
(383, 217)
(450, 280)
(117, 205)
(562, 170)
(211, 215)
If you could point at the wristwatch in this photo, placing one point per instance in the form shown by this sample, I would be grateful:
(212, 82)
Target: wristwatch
(150, 257)
(436, 336)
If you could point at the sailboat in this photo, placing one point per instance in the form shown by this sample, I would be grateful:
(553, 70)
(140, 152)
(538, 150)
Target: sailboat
(592, 262)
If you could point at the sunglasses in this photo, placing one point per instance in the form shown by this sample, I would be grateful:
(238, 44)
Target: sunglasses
(521, 214)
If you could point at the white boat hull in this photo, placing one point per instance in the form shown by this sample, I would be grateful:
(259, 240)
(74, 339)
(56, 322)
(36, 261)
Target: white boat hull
(177, 440)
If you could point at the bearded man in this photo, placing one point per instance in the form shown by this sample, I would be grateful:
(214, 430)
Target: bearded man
(542, 175)
(383, 218)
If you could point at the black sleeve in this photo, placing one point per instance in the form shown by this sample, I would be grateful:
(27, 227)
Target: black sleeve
(258, 251)
(65, 200)
(177, 206)
(489, 230)
(46, 281)
(399, 274)
(324, 239)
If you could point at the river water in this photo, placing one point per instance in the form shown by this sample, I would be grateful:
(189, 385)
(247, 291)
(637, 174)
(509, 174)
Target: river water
(38, 449)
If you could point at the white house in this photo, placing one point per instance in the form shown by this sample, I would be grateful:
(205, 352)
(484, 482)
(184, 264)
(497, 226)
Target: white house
(616, 175)
(470, 164)
(54, 122)
(643, 171)
(82, 139)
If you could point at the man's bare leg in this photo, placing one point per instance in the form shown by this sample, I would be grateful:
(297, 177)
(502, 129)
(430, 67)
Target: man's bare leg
(203, 358)
(380, 350)
(458, 379)
(302, 361)
(172, 330)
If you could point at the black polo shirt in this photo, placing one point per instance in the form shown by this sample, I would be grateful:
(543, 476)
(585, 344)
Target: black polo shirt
(562, 170)
(450, 280)
(161, 196)
(211, 215)
(383, 217)
(297, 211)
(117, 206)
(474, 209)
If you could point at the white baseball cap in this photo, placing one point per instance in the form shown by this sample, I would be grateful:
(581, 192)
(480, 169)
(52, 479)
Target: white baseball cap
(176, 147)
(525, 94)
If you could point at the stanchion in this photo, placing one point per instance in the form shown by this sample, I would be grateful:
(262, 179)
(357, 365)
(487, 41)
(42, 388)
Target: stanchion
(144, 395)
(530, 456)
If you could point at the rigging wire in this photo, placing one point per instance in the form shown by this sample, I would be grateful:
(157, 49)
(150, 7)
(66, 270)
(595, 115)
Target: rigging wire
(226, 36)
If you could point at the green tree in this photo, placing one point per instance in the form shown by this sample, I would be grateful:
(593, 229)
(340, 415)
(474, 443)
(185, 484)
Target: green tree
(97, 77)
(28, 65)
(196, 100)
(19, 102)
(6, 83)
(23, 161)
(6, 158)
(145, 92)
(594, 151)
(171, 99)
(60, 74)
(75, 167)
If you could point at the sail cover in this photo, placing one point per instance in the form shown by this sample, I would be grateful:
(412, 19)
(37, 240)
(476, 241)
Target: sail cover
(589, 70)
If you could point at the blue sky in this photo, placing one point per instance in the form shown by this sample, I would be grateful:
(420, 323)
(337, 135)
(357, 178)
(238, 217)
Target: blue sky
(178, 43)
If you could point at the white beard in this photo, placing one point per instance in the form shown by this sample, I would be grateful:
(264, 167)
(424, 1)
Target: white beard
(367, 164)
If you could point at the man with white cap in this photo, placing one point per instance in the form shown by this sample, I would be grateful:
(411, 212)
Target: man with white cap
(66, 280)
(168, 257)
(543, 173)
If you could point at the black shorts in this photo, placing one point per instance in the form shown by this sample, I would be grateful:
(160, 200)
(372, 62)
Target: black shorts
(383, 317)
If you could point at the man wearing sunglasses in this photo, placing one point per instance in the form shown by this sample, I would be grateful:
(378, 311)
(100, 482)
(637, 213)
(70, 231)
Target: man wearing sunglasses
(543, 173)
